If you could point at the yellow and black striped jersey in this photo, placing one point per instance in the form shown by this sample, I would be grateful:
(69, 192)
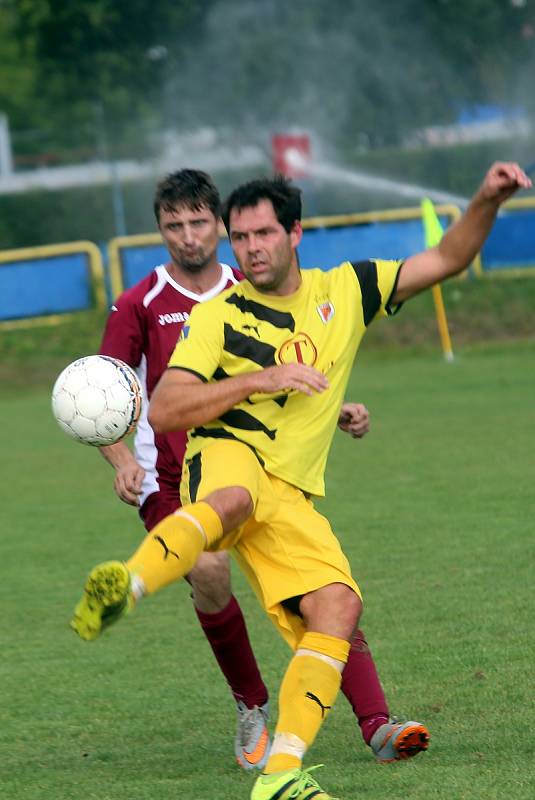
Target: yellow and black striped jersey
(321, 324)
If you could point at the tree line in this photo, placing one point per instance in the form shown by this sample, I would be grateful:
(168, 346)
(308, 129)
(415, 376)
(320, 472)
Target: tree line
(362, 74)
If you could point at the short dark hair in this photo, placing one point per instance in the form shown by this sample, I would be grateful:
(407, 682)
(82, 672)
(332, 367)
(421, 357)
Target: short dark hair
(285, 199)
(188, 187)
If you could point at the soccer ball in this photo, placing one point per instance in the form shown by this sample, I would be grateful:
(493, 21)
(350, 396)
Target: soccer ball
(97, 400)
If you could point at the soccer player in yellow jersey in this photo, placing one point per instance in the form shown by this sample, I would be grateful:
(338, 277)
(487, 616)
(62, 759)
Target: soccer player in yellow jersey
(258, 379)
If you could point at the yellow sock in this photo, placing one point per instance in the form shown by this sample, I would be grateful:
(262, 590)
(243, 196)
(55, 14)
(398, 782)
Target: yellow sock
(307, 693)
(171, 549)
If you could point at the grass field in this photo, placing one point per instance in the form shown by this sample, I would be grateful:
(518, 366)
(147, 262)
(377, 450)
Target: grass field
(435, 509)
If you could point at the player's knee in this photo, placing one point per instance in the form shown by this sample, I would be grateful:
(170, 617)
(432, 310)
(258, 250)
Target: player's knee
(210, 582)
(211, 569)
(333, 609)
(344, 603)
(352, 602)
(234, 505)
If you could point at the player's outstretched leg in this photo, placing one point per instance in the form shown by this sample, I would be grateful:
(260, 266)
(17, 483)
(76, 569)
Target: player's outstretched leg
(395, 741)
(107, 597)
(251, 745)
(292, 784)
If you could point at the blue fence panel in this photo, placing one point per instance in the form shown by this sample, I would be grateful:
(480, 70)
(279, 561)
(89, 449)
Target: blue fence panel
(511, 242)
(138, 261)
(320, 247)
(42, 286)
(225, 253)
(327, 247)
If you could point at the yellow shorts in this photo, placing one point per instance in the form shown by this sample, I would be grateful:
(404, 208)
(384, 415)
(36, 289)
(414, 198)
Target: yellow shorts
(286, 548)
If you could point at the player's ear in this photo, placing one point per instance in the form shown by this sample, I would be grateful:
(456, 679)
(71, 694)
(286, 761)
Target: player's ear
(296, 233)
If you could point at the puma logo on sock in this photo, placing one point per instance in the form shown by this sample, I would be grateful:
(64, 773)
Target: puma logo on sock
(318, 701)
(166, 549)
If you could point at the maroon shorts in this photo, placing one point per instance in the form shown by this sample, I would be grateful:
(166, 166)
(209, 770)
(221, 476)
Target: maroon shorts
(159, 505)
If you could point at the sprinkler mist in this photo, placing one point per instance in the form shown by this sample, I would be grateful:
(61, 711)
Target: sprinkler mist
(364, 180)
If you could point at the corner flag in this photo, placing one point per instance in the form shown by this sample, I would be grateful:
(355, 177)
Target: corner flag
(433, 234)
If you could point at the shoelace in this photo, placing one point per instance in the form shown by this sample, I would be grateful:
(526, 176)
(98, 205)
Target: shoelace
(306, 781)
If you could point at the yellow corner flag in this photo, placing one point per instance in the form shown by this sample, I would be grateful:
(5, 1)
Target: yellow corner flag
(433, 234)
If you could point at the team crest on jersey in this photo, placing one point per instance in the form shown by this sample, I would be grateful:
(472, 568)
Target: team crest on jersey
(326, 311)
(300, 349)
(183, 333)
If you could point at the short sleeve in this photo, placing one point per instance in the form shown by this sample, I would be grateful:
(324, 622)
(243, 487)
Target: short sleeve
(377, 281)
(124, 332)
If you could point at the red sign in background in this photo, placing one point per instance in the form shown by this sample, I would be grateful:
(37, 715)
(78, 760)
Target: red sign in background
(291, 154)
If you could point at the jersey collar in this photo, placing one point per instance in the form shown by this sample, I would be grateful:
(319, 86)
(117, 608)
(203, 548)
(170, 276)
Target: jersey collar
(226, 276)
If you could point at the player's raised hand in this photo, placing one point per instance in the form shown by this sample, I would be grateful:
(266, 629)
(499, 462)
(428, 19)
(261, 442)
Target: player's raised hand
(288, 377)
(128, 481)
(502, 180)
(354, 419)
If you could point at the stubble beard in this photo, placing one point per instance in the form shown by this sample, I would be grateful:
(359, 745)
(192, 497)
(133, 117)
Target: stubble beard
(264, 283)
(267, 283)
(193, 265)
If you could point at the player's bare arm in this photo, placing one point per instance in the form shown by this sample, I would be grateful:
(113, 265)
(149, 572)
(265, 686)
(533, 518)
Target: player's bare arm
(464, 239)
(182, 401)
(354, 419)
(128, 473)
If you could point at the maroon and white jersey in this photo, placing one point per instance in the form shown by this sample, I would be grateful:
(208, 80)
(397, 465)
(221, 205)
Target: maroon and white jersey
(142, 329)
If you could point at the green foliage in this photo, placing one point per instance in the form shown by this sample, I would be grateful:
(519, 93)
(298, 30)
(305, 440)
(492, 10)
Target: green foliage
(102, 54)
(357, 71)
(353, 72)
(101, 78)
(15, 71)
(492, 42)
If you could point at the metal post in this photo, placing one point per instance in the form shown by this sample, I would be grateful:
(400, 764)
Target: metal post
(115, 183)
(6, 157)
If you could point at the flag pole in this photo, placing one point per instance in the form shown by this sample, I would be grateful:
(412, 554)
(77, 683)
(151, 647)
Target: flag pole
(433, 234)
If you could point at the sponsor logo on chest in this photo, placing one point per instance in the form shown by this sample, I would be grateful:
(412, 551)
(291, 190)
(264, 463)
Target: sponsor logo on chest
(173, 318)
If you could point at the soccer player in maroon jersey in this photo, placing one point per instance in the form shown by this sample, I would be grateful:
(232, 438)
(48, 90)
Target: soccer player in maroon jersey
(142, 329)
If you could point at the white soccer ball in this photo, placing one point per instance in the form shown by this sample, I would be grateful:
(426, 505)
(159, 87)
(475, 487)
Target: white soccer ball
(97, 400)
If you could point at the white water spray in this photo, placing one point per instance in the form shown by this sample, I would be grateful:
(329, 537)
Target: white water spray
(364, 180)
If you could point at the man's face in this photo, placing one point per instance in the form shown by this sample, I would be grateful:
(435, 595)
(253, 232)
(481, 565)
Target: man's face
(191, 236)
(265, 251)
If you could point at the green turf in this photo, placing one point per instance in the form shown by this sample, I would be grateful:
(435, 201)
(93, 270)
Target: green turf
(435, 509)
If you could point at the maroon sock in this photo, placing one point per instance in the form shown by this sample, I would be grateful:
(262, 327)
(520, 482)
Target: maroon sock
(361, 686)
(229, 640)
